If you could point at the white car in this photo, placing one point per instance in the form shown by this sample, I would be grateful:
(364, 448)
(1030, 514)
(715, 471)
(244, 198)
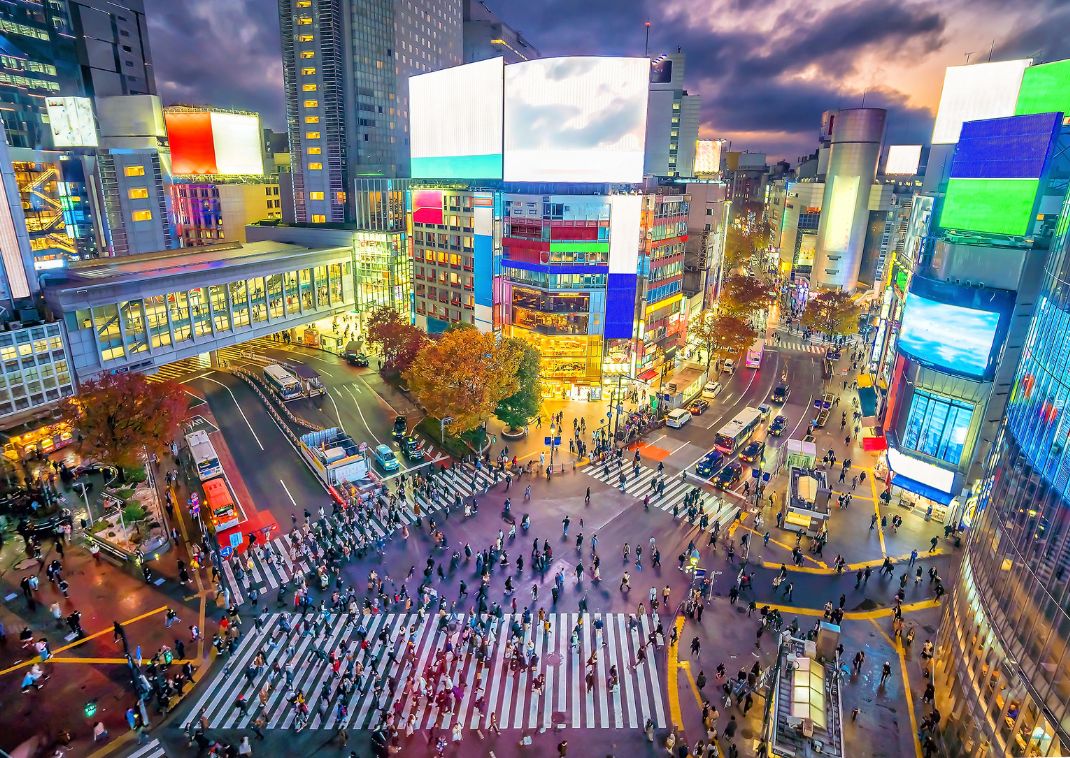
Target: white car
(729, 366)
(677, 418)
(711, 390)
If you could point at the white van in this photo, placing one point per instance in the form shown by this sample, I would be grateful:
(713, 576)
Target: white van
(729, 366)
(711, 390)
(677, 418)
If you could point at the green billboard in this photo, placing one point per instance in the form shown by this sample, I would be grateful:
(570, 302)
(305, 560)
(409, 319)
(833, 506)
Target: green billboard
(993, 206)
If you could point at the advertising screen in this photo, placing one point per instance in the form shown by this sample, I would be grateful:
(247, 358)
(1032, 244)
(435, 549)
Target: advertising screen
(954, 328)
(992, 206)
(1018, 147)
(983, 90)
(238, 143)
(455, 122)
(903, 160)
(920, 471)
(71, 120)
(579, 119)
(192, 147)
(707, 156)
(427, 207)
(1045, 89)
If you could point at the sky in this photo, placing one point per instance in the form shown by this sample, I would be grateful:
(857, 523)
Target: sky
(765, 69)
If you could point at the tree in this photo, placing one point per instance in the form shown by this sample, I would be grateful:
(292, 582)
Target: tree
(703, 332)
(743, 294)
(464, 374)
(516, 410)
(120, 417)
(397, 340)
(728, 336)
(831, 312)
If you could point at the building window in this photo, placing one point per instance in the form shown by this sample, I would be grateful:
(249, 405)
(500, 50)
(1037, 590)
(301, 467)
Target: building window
(312, 103)
(310, 87)
(134, 170)
(304, 3)
(312, 119)
(312, 135)
(304, 20)
(138, 193)
(141, 215)
(304, 38)
(308, 71)
(315, 195)
(937, 426)
(319, 218)
(315, 166)
(308, 54)
(314, 151)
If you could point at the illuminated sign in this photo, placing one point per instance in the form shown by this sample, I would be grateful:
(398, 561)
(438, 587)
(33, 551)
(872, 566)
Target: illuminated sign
(427, 207)
(708, 156)
(841, 212)
(983, 90)
(72, 123)
(238, 141)
(1045, 89)
(903, 160)
(994, 206)
(1018, 147)
(920, 471)
(455, 122)
(214, 142)
(578, 119)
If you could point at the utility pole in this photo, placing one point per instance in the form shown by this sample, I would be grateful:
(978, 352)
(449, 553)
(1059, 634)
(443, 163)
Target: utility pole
(646, 45)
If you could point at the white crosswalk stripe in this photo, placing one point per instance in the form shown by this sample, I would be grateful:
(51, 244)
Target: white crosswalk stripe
(506, 688)
(151, 749)
(721, 508)
(272, 564)
(798, 344)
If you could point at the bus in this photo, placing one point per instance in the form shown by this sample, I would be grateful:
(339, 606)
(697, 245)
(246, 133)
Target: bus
(285, 385)
(754, 354)
(737, 431)
(203, 454)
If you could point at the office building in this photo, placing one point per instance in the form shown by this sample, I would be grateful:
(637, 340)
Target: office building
(707, 225)
(672, 119)
(346, 66)
(70, 48)
(487, 36)
(135, 186)
(747, 174)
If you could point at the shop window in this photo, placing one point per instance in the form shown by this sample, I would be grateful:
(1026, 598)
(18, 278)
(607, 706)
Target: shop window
(937, 426)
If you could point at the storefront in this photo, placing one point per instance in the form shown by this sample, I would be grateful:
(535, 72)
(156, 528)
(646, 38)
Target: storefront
(919, 486)
(40, 440)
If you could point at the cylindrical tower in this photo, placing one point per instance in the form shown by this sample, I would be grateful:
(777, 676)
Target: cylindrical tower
(1003, 662)
(857, 134)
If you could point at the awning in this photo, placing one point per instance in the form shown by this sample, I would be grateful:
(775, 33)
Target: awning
(867, 401)
(647, 375)
(932, 493)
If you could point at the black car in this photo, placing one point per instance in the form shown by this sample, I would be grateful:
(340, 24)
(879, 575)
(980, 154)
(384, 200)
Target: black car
(400, 427)
(780, 394)
(752, 452)
(777, 427)
(413, 448)
(698, 407)
(355, 356)
(729, 475)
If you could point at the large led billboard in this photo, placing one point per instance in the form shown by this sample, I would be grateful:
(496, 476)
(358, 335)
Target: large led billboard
(954, 328)
(903, 160)
(577, 119)
(982, 90)
(207, 142)
(455, 122)
(1045, 89)
(71, 121)
(708, 156)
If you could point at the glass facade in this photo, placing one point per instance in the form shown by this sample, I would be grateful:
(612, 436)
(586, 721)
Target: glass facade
(1005, 641)
(34, 368)
(937, 426)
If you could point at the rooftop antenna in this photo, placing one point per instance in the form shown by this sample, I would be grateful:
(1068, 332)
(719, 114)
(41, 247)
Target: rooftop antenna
(968, 56)
(646, 45)
(991, 50)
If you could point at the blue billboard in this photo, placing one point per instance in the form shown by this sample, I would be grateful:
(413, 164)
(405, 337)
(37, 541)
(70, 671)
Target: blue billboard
(954, 328)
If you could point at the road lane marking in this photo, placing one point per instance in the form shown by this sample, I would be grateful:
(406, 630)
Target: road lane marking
(337, 413)
(287, 489)
(366, 425)
(236, 405)
(672, 677)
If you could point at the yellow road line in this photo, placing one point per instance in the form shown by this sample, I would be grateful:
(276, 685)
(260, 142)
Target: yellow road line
(672, 682)
(784, 545)
(849, 567)
(877, 510)
(114, 744)
(76, 643)
(920, 605)
(897, 644)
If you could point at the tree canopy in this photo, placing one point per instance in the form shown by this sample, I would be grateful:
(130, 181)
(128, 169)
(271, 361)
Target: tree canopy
(397, 340)
(743, 294)
(464, 374)
(831, 312)
(516, 410)
(120, 417)
(721, 335)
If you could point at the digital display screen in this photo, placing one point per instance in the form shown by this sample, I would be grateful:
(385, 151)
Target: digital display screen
(707, 156)
(192, 147)
(455, 122)
(954, 328)
(982, 90)
(903, 160)
(71, 121)
(1017, 147)
(238, 143)
(1045, 89)
(427, 207)
(992, 206)
(578, 119)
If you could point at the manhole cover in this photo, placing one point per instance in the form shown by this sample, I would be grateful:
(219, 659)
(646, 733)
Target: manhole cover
(553, 659)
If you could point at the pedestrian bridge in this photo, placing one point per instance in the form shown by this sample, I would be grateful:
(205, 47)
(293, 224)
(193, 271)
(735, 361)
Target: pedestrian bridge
(138, 312)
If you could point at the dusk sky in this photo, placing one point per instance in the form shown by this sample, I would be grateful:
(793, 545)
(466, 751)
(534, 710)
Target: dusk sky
(765, 70)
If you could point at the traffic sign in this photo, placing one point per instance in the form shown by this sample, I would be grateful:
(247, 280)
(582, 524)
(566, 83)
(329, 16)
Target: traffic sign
(755, 473)
(765, 477)
(226, 551)
(235, 539)
(556, 440)
(700, 573)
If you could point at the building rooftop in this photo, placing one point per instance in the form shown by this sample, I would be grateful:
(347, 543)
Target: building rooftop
(809, 490)
(807, 711)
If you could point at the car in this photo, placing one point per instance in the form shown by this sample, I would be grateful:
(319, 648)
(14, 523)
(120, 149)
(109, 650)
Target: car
(821, 420)
(354, 355)
(780, 394)
(728, 367)
(385, 458)
(698, 407)
(753, 451)
(833, 353)
(711, 390)
(778, 426)
(765, 410)
(401, 425)
(677, 418)
(709, 463)
(729, 475)
(413, 448)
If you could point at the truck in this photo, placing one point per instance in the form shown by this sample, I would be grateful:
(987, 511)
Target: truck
(334, 456)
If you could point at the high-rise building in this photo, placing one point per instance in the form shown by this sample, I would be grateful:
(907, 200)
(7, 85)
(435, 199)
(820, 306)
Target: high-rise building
(346, 66)
(672, 119)
(487, 36)
(83, 48)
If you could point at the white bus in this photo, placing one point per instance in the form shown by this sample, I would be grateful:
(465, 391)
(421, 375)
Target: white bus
(203, 454)
(754, 354)
(737, 431)
(285, 385)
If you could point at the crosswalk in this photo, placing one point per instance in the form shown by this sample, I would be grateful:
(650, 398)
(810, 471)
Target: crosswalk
(506, 691)
(796, 343)
(722, 509)
(234, 355)
(271, 564)
(150, 749)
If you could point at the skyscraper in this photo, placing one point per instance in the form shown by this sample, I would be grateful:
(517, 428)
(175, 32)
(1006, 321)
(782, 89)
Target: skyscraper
(346, 65)
(487, 36)
(672, 118)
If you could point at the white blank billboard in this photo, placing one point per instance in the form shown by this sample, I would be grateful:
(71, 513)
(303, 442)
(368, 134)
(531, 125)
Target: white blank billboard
(578, 119)
(238, 143)
(971, 93)
(455, 122)
(708, 156)
(903, 160)
(71, 121)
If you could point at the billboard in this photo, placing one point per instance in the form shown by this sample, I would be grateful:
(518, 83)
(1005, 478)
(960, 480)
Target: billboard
(983, 90)
(708, 156)
(1045, 89)
(956, 329)
(576, 119)
(427, 207)
(455, 122)
(71, 121)
(903, 160)
(207, 142)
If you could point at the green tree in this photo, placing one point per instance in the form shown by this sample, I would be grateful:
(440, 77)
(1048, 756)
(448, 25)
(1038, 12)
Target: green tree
(397, 341)
(122, 417)
(831, 312)
(519, 408)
